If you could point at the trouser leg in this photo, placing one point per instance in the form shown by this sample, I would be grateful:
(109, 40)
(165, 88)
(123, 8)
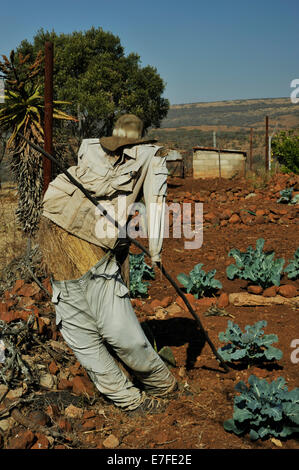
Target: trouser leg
(79, 330)
(119, 326)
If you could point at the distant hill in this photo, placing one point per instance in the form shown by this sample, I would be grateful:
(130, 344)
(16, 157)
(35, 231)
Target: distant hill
(240, 113)
(188, 125)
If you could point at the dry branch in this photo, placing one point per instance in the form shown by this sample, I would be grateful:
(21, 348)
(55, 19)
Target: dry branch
(243, 299)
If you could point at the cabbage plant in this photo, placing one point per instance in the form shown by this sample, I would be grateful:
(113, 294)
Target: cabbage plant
(139, 270)
(199, 282)
(264, 409)
(253, 346)
(292, 269)
(256, 266)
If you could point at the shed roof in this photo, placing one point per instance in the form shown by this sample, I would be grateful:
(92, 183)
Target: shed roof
(213, 149)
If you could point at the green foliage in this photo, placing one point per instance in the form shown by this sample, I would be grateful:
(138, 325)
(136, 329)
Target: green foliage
(286, 197)
(91, 71)
(139, 270)
(256, 266)
(285, 146)
(264, 409)
(293, 267)
(251, 347)
(199, 282)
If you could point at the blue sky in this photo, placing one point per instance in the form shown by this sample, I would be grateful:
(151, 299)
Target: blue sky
(204, 50)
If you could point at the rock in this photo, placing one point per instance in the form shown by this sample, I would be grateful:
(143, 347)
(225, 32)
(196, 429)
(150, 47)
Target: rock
(16, 393)
(89, 414)
(111, 442)
(173, 309)
(223, 223)
(250, 195)
(7, 423)
(47, 380)
(287, 290)
(136, 303)
(259, 219)
(160, 313)
(155, 304)
(73, 412)
(22, 440)
(82, 385)
(223, 300)
(190, 298)
(28, 290)
(39, 417)
(18, 285)
(270, 292)
(166, 301)
(53, 369)
(260, 212)
(65, 424)
(226, 214)
(41, 443)
(234, 219)
(65, 384)
(255, 289)
(211, 218)
(25, 302)
(206, 301)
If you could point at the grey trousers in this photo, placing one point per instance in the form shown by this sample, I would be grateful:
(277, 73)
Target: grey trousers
(95, 310)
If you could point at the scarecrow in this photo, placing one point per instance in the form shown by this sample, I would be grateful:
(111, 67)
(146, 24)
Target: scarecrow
(88, 261)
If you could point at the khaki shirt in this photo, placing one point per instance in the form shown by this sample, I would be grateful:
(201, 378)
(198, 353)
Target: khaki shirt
(138, 168)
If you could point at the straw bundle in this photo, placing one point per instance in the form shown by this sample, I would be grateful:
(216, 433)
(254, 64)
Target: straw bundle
(65, 256)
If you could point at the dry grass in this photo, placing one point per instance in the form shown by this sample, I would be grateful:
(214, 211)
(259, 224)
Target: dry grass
(12, 241)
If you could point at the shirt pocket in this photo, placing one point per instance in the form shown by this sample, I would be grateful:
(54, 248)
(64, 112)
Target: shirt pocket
(125, 179)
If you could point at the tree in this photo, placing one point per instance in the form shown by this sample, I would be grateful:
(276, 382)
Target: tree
(91, 71)
(285, 146)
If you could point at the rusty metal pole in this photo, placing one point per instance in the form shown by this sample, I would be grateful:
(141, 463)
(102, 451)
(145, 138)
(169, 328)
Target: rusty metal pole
(267, 145)
(251, 149)
(48, 124)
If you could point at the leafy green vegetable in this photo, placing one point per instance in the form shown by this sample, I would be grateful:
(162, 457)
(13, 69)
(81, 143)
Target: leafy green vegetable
(256, 266)
(139, 270)
(286, 197)
(199, 282)
(293, 268)
(251, 347)
(264, 409)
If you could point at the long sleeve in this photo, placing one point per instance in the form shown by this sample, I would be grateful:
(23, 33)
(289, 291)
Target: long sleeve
(155, 189)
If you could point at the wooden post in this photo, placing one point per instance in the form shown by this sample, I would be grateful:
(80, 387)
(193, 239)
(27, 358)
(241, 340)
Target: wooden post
(267, 145)
(48, 124)
(251, 149)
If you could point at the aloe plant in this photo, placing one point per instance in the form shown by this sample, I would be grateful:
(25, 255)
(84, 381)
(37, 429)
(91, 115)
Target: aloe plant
(199, 282)
(23, 112)
(256, 266)
(264, 409)
(250, 347)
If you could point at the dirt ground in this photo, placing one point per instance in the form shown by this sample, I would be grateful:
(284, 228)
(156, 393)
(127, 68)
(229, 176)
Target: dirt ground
(194, 419)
